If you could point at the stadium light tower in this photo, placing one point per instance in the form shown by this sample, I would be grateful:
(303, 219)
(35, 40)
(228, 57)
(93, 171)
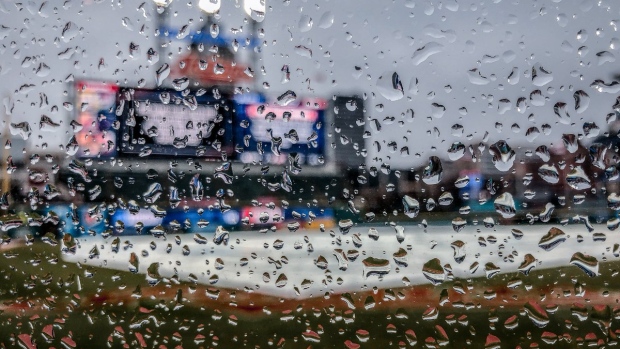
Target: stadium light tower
(161, 15)
(162, 3)
(255, 9)
(209, 6)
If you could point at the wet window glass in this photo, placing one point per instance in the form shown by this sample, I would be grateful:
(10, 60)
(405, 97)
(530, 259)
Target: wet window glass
(309, 174)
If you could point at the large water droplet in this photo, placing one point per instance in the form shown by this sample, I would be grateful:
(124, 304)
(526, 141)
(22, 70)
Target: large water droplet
(305, 23)
(424, 52)
(286, 98)
(549, 173)
(375, 266)
(560, 111)
(503, 155)
(434, 272)
(459, 251)
(552, 239)
(326, 20)
(588, 264)
(540, 76)
(577, 179)
(390, 86)
(528, 263)
(537, 314)
(411, 206)
(582, 101)
(433, 172)
(505, 205)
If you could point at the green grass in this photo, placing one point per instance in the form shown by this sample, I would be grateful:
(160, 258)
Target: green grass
(92, 314)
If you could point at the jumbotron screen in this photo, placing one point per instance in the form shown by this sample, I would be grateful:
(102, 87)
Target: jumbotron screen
(95, 102)
(167, 122)
(297, 129)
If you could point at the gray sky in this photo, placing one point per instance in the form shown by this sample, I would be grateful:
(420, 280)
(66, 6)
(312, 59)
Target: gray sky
(381, 37)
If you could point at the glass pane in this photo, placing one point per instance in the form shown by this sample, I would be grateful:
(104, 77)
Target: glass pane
(309, 174)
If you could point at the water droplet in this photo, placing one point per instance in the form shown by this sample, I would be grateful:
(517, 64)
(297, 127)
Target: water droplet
(456, 151)
(605, 57)
(540, 76)
(588, 264)
(536, 313)
(577, 179)
(560, 111)
(221, 236)
(458, 224)
(552, 239)
(505, 205)
(549, 173)
(458, 247)
(433, 172)
(390, 86)
(434, 272)
(162, 73)
(375, 266)
(490, 269)
(529, 262)
(400, 233)
(411, 206)
(326, 20)
(503, 155)
(303, 51)
(305, 23)
(286, 98)
(426, 51)
(582, 101)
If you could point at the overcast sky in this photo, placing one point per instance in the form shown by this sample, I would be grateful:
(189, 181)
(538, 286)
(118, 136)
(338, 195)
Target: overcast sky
(436, 42)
